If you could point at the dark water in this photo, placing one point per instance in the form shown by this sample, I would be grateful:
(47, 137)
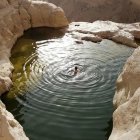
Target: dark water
(50, 101)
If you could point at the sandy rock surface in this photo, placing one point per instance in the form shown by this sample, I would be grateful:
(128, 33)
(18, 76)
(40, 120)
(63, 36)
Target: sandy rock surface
(10, 129)
(15, 17)
(98, 30)
(126, 118)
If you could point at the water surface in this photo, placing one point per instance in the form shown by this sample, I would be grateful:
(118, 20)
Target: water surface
(50, 101)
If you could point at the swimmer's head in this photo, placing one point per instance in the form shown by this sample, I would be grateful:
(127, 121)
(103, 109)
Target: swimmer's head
(76, 67)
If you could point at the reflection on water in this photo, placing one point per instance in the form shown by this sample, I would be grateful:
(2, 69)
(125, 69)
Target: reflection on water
(49, 100)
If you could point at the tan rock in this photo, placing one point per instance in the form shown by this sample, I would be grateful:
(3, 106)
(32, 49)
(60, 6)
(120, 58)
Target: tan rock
(125, 38)
(10, 129)
(21, 15)
(86, 37)
(118, 32)
(92, 38)
(25, 17)
(54, 18)
(3, 4)
(126, 118)
(15, 17)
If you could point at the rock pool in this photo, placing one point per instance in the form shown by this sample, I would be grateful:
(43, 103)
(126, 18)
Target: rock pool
(50, 101)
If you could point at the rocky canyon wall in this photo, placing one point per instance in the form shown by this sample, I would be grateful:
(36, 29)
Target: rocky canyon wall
(19, 15)
(15, 17)
(126, 117)
(126, 11)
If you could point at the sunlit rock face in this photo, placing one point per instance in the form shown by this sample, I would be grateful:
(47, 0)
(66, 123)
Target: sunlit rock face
(15, 17)
(127, 101)
(126, 11)
(10, 129)
(98, 30)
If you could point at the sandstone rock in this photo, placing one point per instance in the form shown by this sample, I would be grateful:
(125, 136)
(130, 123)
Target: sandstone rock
(21, 15)
(3, 4)
(126, 118)
(93, 38)
(10, 129)
(126, 124)
(15, 17)
(54, 18)
(118, 32)
(125, 38)
(25, 17)
(5, 84)
(86, 37)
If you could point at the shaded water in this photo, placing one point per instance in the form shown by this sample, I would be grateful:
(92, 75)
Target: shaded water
(50, 101)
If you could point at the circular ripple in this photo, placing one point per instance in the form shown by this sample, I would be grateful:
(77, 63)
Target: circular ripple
(68, 106)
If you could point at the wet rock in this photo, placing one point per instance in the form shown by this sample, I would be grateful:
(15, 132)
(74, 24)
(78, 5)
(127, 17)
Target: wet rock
(79, 42)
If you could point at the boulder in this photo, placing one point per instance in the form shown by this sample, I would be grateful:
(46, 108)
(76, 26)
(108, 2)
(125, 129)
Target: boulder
(126, 117)
(10, 129)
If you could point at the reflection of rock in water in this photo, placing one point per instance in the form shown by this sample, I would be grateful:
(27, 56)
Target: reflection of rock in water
(91, 10)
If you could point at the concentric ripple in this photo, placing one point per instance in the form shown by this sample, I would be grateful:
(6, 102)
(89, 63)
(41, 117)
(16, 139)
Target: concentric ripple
(55, 104)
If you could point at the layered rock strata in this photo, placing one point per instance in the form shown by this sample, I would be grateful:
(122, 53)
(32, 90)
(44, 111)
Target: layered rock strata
(15, 17)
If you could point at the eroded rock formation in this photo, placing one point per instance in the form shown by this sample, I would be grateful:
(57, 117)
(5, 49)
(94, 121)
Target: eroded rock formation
(126, 118)
(10, 129)
(18, 15)
(98, 30)
(15, 17)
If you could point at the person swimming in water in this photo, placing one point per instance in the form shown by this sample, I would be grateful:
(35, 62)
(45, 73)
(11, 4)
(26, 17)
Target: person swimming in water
(76, 70)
